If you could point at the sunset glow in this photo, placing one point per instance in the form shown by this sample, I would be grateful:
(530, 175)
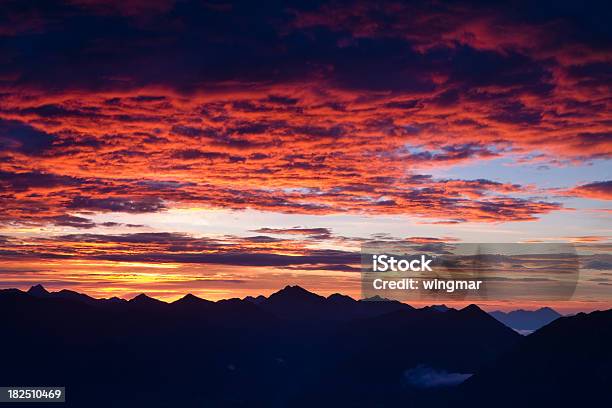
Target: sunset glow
(199, 158)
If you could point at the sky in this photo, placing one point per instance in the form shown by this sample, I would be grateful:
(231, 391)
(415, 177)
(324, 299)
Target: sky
(231, 148)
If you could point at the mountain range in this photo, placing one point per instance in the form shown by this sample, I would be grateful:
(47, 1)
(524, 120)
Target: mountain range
(293, 348)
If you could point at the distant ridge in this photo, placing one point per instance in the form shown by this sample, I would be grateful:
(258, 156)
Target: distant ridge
(296, 302)
(440, 308)
(257, 300)
(527, 320)
(41, 292)
(292, 302)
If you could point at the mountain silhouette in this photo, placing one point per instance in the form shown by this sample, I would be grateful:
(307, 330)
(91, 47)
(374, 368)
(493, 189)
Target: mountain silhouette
(294, 302)
(257, 300)
(143, 301)
(298, 304)
(374, 354)
(292, 348)
(564, 364)
(192, 300)
(440, 308)
(38, 290)
(527, 320)
(191, 305)
(41, 291)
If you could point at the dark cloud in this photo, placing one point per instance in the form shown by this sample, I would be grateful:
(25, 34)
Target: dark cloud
(191, 131)
(71, 221)
(110, 224)
(25, 181)
(117, 204)
(194, 154)
(369, 47)
(135, 238)
(477, 68)
(23, 138)
(315, 233)
(600, 262)
(239, 258)
(517, 113)
(58, 111)
(168, 247)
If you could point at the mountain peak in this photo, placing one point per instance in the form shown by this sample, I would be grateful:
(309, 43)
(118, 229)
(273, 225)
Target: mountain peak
(38, 290)
(295, 292)
(295, 302)
(143, 299)
(340, 297)
(256, 300)
(190, 299)
(472, 309)
(549, 310)
(72, 295)
(441, 308)
(376, 298)
(293, 288)
(527, 319)
(115, 300)
(340, 300)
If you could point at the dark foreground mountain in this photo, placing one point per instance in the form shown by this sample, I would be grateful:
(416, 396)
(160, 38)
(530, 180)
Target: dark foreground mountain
(527, 320)
(565, 364)
(293, 348)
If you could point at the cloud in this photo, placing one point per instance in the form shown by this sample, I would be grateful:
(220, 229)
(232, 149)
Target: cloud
(599, 262)
(332, 108)
(589, 238)
(72, 221)
(21, 137)
(169, 247)
(56, 195)
(117, 204)
(111, 224)
(129, 8)
(601, 190)
(315, 233)
(19, 182)
(426, 377)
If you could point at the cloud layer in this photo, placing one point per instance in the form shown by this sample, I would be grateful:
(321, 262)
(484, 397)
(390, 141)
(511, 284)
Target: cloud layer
(328, 108)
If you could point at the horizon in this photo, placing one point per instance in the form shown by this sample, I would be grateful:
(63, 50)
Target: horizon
(487, 306)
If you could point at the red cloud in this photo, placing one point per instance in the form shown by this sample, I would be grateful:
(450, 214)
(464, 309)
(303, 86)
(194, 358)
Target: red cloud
(600, 190)
(407, 89)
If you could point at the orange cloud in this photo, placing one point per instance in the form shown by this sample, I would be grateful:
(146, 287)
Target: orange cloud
(599, 190)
